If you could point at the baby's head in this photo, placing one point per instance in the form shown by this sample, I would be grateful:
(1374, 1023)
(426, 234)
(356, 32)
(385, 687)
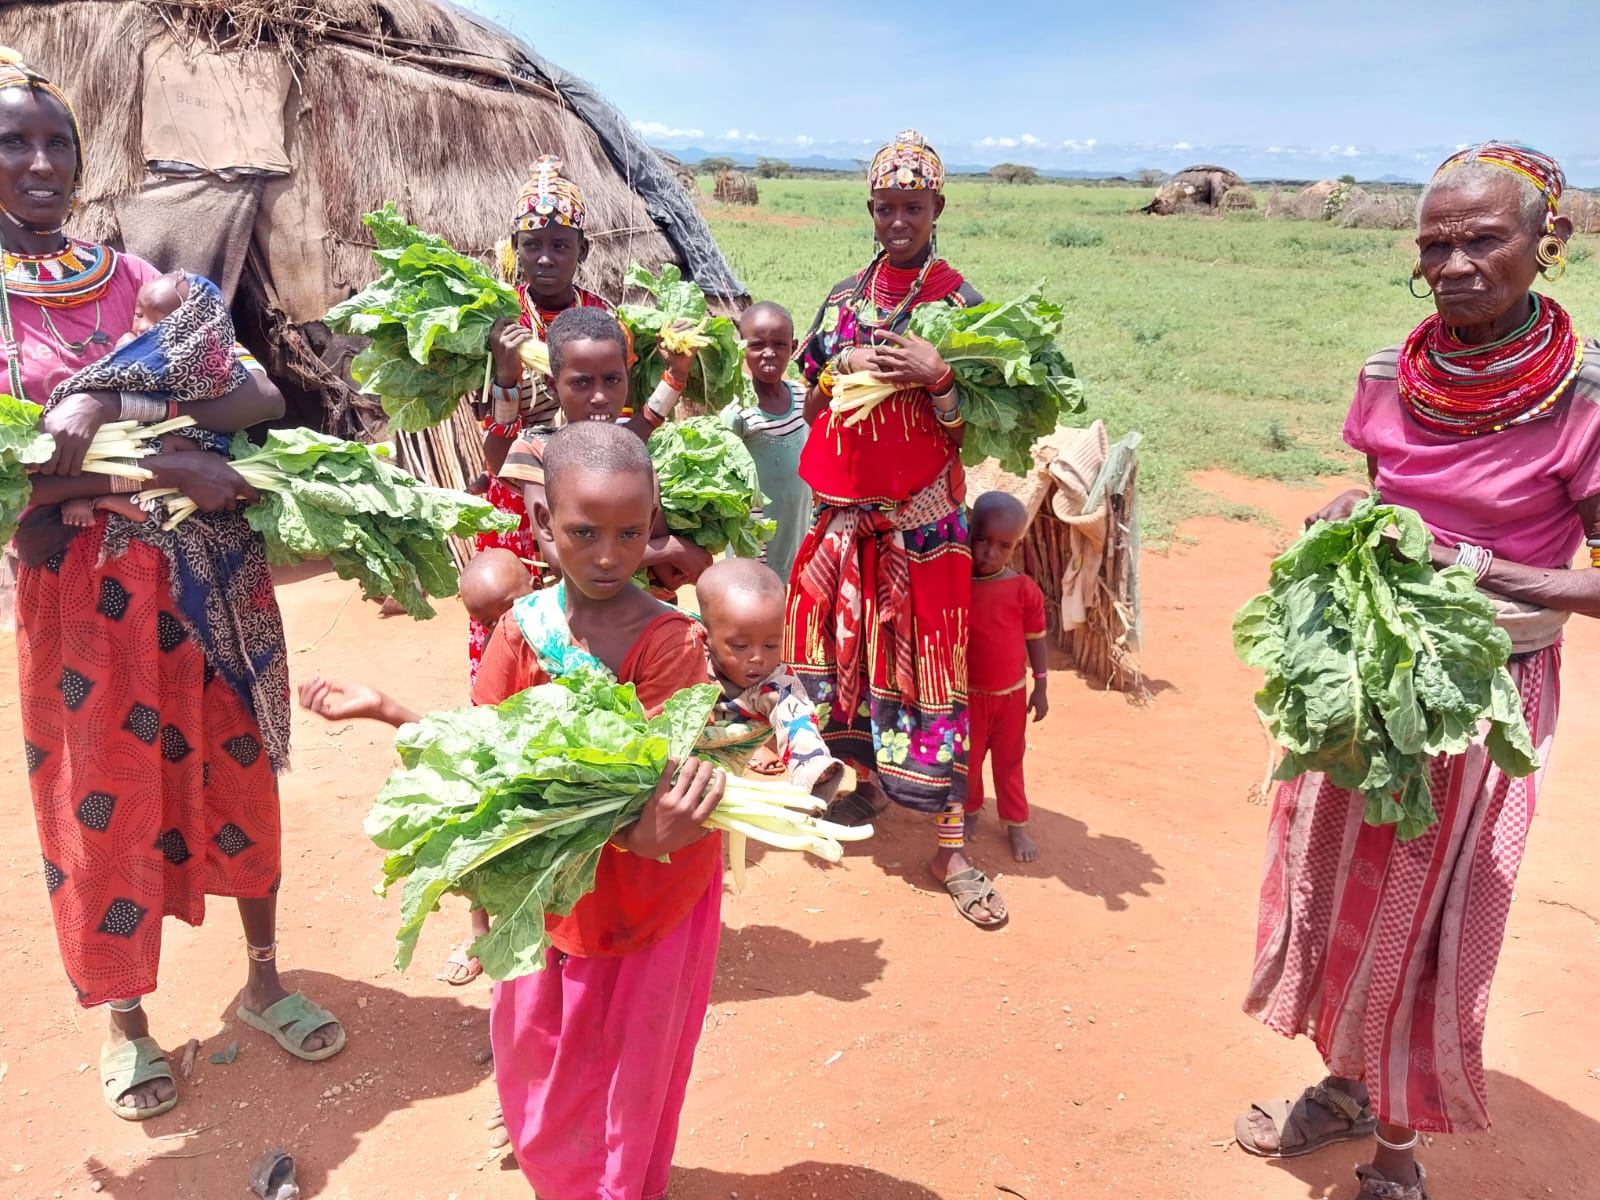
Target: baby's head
(742, 607)
(999, 523)
(589, 364)
(491, 583)
(599, 505)
(159, 299)
(768, 333)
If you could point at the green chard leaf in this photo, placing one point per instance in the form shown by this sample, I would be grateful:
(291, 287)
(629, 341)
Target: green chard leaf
(511, 805)
(1376, 663)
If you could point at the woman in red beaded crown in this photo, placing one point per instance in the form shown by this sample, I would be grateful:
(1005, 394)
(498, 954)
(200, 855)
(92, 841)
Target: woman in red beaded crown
(1487, 423)
(880, 592)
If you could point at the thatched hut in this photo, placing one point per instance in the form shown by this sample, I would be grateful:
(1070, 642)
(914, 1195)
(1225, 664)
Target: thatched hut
(682, 172)
(245, 141)
(1197, 189)
(735, 187)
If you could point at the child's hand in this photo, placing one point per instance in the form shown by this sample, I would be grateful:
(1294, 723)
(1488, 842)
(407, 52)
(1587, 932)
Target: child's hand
(1038, 702)
(679, 364)
(675, 815)
(504, 338)
(334, 701)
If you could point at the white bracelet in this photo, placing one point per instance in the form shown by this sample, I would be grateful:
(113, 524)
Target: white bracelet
(1475, 558)
(131, 406)
(663, 402)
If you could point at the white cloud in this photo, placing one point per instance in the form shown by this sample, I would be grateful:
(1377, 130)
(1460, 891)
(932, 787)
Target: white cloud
(1351, 152)
(1028, 139)
(805, 140)
(1075, 144)
(656, 129)
(1183, 145)
(733, 135)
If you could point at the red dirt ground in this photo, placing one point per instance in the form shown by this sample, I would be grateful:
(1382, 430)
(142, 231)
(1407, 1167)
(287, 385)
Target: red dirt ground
(863, 1041)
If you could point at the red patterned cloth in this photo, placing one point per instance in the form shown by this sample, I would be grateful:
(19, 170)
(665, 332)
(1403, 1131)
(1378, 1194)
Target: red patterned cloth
(1382, 951)
(151, 789)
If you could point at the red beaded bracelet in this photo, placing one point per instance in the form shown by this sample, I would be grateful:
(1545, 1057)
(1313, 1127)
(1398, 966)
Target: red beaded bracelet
(944, 384)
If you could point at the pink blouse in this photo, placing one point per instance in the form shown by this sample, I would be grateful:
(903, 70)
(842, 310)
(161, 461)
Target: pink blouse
(1516, 492)
(45, 360)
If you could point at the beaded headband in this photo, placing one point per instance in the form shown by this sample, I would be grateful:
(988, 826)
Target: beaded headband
(1538, 169)
(548, 198)
(907, 164)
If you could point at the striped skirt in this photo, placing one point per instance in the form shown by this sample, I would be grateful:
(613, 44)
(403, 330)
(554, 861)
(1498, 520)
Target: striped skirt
(1382, 951)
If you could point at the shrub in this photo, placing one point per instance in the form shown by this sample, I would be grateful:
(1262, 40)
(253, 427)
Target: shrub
(1072, 236)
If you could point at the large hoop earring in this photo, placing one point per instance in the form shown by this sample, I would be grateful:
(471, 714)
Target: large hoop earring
(1552, 255)
(1411, 284)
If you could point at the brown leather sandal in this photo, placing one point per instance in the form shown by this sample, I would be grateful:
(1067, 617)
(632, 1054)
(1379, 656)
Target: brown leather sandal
(1290, 1119)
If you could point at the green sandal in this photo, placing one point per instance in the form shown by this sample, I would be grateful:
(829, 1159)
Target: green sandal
(124, 1067)
(290, 1022)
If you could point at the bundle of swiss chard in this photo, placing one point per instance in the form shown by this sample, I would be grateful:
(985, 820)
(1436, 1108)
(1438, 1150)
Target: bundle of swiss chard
(714, 341)
(1375, 662)
(428, 315)
(709, 487)
(1015, 382)
(24, 446)
(326, 498)
(511, 806)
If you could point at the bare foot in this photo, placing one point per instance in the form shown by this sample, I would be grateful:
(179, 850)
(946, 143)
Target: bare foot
(124, 1028)
(949, 862)
(78, 513)
(1023, 848)
(969, 825)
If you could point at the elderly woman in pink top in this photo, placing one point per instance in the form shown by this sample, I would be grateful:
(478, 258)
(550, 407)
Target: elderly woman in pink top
(1487, 422)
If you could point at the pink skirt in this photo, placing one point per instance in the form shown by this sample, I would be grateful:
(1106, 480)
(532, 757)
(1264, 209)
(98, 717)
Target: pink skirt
(592, 1059)
(1381, 951)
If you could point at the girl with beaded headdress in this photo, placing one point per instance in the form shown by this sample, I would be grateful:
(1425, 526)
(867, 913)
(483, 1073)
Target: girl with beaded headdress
(879, 595)
(546, 247)
(152, 665)
(1486, 421)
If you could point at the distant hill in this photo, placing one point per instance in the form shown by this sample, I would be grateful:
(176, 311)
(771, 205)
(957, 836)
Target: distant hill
(822, 162)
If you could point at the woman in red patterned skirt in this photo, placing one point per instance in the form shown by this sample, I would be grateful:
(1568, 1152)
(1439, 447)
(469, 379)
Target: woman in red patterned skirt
(1487, 423)
(881, 588)
(154, 684)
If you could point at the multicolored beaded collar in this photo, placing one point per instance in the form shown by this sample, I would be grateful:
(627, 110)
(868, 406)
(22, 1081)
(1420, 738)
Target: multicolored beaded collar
(80, 273)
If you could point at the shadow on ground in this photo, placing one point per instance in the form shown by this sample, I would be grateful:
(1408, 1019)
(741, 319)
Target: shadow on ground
(801, 1181)
(760, 961)
(1539, 1146)
(402, 1049)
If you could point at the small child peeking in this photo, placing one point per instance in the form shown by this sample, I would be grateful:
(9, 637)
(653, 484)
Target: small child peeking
(158, 299)
(774, 428)
(741, 607)
(1008, 630)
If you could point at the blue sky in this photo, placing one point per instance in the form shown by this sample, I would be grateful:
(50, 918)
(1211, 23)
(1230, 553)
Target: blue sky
(1297, 90)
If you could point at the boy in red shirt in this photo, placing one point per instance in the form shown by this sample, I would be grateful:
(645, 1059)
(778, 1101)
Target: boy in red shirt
(1008, 631)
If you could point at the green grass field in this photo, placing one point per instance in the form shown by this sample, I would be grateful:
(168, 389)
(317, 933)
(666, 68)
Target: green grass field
(1229, 342)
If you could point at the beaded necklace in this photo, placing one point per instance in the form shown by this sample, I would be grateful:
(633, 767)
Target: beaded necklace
(1466, 390)
(865, 293)
(79, 273)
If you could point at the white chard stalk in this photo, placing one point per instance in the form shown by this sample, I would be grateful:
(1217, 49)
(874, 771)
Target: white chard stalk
(858, 393)
(781, 816)
(117, 443)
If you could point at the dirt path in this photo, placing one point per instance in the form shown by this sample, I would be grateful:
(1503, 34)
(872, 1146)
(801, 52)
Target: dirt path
(863, 1042)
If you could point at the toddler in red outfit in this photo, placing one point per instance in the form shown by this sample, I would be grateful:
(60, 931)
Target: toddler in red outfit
(1007, 646)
